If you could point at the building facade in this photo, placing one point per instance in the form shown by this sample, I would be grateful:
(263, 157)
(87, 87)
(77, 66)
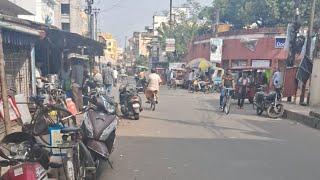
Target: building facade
(111, 48)
(261, 47)
(73, 17)
(42, 10)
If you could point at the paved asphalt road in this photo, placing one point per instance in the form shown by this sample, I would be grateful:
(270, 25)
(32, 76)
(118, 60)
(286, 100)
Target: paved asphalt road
(187, 138)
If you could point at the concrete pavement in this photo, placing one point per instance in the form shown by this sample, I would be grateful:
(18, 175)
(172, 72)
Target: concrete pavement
(187, 138)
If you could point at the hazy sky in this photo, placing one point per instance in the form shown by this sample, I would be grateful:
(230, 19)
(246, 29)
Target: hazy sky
(123, 17)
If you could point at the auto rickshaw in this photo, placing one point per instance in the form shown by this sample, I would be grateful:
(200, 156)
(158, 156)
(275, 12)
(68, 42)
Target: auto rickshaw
(180, 74)
(252, 74)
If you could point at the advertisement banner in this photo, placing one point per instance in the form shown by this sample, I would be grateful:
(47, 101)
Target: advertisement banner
(170, 45)
(216, 50)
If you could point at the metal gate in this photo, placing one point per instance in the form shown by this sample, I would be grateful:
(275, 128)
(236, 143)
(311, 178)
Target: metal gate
(17, 68)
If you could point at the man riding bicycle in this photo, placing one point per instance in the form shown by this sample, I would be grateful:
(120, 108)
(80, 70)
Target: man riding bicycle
(227, 82)
(153, 87)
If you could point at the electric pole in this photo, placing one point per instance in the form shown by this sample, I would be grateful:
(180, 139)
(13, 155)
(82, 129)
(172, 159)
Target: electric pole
(309, 53)
(88, 11)
(170, 21)
(4, 90)
(96, 11)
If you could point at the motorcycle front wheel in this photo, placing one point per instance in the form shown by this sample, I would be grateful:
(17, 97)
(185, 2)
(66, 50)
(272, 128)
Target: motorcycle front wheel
(275, 111)
(259, 111)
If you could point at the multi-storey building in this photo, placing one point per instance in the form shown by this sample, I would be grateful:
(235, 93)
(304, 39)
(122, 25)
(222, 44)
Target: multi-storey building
(42, 10)
(111, 49)
(73, 17)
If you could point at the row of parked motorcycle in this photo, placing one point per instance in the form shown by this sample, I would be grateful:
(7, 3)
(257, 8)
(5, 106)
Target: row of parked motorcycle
(55, 133)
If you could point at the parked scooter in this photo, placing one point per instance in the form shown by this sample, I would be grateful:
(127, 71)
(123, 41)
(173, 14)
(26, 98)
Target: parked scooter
(25, 158)
(269, 103)
(130, 101)
(99, 126)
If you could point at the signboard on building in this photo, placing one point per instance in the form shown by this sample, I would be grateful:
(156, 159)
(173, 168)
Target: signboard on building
(176, 65)
(280, 42)
(216, 50)
(170, 45)
(260, 63)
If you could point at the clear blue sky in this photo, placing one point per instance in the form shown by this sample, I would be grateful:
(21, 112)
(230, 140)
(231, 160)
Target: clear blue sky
(123, 17)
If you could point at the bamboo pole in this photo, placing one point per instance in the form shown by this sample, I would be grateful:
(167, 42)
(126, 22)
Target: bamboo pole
(4, 93)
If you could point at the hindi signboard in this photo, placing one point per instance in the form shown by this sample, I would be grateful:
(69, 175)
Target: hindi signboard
(170, 45)
(216, 50)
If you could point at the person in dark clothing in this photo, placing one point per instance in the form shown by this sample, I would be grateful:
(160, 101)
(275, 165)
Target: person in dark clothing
(243, 84)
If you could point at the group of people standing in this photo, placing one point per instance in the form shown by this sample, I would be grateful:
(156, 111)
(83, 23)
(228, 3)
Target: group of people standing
(75, 77)
(244, 81)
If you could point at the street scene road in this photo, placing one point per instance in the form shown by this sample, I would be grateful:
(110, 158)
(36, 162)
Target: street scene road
(187, 137)
(160, 89)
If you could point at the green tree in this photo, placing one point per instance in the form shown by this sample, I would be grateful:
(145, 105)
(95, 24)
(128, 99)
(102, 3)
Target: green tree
(183, 31)
(241, 13)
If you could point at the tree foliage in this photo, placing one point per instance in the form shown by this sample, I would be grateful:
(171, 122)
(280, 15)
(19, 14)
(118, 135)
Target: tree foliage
(184, 30)
(241, 13)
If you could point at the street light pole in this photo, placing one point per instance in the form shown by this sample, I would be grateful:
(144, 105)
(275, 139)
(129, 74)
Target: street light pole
(170, 22)
(308, 48)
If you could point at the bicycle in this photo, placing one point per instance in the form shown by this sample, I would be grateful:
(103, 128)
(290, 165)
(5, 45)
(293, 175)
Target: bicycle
(226, 104)
(46, 115)
(77, 161)
(153, 100)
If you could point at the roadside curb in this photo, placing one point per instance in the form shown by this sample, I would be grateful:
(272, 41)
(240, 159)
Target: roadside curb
(310, 121)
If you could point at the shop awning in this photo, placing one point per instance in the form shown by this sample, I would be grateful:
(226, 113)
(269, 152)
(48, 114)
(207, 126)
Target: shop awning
(74, 42)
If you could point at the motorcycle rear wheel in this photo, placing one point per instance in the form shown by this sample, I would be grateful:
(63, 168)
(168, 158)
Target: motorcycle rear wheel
(136, 116)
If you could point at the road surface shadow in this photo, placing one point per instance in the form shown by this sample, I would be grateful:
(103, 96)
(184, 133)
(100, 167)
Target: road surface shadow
(146, 158)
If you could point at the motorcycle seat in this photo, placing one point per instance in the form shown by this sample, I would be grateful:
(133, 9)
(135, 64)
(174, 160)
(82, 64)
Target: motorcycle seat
(37, 98)
(271, 96)
(68, 130)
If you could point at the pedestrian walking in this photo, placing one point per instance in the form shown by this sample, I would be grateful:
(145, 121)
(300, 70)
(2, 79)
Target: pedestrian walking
(277, 82)
(115, 77)
(243, 85)
(191, 78)
(108, 78)
(97, 78)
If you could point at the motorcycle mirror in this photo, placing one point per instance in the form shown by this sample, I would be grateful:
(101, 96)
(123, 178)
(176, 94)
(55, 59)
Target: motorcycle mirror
(3, 155)
(4, 163)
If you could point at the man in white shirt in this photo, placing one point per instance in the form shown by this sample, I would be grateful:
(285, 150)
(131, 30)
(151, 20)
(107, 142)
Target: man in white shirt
(115, 77)
(277, 82)
(153, 87)
(39, 78)
(191, 78)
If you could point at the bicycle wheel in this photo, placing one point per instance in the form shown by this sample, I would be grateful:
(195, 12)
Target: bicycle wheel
(227, 106)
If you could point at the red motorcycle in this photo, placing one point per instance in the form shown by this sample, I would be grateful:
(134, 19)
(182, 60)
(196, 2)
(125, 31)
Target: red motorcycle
(26, 159)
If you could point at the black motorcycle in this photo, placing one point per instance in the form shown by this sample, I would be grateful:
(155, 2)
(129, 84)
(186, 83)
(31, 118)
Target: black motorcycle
(99, 126)
(130, 101)
(269, 103)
